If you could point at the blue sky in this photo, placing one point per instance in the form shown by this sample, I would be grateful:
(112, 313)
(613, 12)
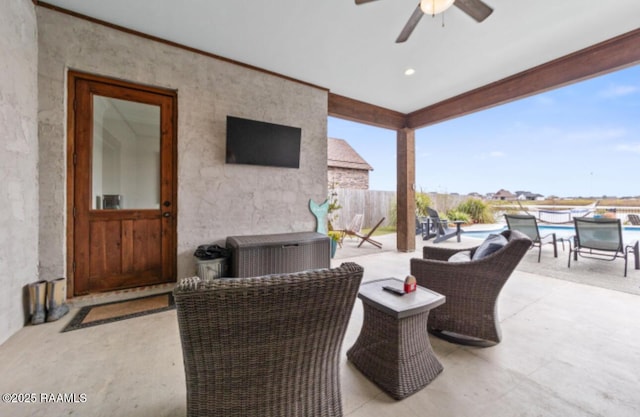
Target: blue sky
(579, 140)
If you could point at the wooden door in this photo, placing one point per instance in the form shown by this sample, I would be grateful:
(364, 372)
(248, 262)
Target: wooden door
(124, 188)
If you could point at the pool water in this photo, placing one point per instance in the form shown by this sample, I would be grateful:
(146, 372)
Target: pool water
(629, 233)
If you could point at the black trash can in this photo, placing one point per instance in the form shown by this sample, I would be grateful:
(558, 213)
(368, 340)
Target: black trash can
(212, 261)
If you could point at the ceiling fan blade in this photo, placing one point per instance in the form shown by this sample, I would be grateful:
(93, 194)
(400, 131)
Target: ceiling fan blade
(477, 9)
(364, 1)
(411, 25)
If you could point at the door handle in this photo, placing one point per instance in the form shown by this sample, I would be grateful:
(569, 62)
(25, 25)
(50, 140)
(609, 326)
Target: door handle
(166, 214)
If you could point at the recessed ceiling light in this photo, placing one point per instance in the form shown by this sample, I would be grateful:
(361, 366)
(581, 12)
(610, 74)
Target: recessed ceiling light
(409, 71)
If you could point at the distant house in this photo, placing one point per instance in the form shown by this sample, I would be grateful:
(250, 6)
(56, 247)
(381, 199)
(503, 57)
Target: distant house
(527, 195)
(345, 167)
(504, 195)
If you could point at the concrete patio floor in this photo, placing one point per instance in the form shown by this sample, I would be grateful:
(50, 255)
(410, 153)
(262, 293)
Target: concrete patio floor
(568, 349)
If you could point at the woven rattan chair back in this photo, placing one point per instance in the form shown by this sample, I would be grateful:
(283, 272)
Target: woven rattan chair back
(469, 316)
(265, 346)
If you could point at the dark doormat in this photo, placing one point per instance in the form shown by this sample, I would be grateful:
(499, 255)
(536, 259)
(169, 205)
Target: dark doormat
(120, 310)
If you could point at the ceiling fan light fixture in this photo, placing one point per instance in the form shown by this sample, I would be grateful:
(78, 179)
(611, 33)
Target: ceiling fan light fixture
(433, 7)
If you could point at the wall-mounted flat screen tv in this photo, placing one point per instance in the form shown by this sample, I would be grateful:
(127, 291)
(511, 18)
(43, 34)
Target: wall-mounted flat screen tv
(259, 143)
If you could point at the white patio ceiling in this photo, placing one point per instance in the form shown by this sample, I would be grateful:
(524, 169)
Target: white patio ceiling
(351, 49)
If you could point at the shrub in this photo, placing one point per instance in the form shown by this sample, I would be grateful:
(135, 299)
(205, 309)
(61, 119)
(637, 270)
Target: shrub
(334, 205)
(453, 215)
(422, 202)
(393, 213)
(478, 210)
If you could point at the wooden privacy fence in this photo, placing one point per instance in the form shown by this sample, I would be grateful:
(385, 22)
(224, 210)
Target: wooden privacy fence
(373, 204)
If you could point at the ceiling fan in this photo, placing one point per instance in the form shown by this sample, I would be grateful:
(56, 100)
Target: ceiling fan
(477, 9)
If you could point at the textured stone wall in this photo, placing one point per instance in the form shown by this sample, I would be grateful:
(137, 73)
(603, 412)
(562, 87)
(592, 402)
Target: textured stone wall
(355, 179)
(18, 161)
(215, 200)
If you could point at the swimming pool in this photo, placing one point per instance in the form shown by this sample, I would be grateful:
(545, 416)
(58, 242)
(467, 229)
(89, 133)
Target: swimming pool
(629, 233)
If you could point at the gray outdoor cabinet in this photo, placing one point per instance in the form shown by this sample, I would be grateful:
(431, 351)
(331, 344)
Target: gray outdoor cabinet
(256, 255)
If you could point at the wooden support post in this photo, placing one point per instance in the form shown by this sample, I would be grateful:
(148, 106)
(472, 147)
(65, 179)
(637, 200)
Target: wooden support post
(406, 199)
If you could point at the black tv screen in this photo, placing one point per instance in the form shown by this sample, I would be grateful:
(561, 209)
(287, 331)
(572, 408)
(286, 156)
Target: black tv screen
(259, 143)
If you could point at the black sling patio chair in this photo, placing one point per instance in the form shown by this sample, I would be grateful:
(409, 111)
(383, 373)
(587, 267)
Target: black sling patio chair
(601, 238)
(528, 225)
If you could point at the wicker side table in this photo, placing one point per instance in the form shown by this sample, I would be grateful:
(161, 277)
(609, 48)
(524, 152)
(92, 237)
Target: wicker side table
(393, 348)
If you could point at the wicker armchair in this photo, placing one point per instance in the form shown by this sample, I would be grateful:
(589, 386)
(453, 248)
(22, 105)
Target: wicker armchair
(266, 346)
(469, 315)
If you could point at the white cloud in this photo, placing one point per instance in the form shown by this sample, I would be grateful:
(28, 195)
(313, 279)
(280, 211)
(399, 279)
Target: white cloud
(634, 147)
(544, 100)
(596, 134)
(492, 154)
(619, 91)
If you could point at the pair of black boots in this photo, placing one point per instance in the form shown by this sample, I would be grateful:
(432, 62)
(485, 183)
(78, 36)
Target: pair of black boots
(47, 300)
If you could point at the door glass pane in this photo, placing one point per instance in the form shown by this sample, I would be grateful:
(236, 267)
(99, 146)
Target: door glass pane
(126, 155)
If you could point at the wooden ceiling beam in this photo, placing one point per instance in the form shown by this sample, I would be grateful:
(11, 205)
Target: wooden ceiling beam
(361, 112)
(613, 54)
